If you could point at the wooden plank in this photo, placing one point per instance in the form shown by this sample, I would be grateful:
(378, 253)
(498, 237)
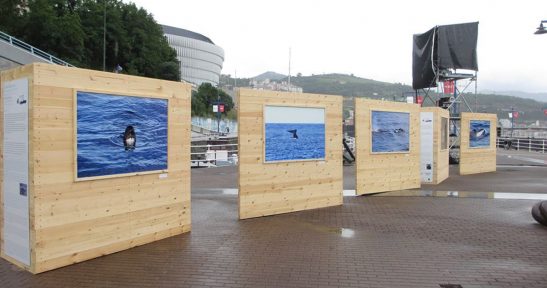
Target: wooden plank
(75, 221)
(274, 188)
(381, 172)
(477, 160)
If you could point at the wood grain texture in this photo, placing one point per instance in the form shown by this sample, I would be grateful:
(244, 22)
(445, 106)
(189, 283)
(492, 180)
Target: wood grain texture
(381, 172)
(477, 160)
(75, 221)
(440, 156)
(274, 188)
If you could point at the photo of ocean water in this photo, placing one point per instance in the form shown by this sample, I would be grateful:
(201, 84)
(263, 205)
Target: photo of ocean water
(101, 122)
(390, 131)
(479, 133)
(281, 144)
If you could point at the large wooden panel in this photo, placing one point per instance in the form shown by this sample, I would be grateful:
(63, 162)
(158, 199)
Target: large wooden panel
(477, 160)
(273, 188)
(440, 155)
(75, 221)
(380, 172)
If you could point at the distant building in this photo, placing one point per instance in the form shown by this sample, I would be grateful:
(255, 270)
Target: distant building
(200, 59)
(267, 84)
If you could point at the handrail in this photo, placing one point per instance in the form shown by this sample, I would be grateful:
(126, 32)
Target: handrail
(529, 144)
(33, 50)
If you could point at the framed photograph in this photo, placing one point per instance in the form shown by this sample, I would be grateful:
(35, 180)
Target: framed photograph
(293, 133)
(119, 135)
(479, 133)
(444, 133)
(390, 132)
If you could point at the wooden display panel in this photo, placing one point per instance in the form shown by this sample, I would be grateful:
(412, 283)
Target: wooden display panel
(381, 172)
(75, 221)
(287, 186)
(477, 160)
(440, 155)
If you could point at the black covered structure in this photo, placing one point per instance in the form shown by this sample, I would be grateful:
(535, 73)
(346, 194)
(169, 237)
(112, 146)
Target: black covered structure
(442, 49)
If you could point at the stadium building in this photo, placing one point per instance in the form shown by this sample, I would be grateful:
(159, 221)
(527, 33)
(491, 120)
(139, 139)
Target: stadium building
(200, 59)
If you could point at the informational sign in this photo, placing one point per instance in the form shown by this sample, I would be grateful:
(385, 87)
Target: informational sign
(426, 143)
(15, 154)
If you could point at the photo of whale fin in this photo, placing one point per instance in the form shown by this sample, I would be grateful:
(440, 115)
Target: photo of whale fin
(129, 138)
(294, 135)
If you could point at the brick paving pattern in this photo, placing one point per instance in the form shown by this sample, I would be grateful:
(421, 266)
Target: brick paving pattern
(367, 242)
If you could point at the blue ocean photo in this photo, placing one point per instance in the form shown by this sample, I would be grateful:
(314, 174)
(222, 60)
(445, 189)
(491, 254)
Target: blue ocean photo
(479, 133)
(120, 134)
(282, 144)
(390, 131)
(294, 133)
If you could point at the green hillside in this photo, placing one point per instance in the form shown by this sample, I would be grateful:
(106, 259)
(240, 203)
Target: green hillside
(349, 85)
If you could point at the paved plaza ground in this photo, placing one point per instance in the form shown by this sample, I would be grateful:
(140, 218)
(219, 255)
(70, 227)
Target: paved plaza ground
(371, 241)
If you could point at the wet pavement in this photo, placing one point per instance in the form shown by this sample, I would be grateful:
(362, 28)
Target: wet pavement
(517, 171)
(419, 238)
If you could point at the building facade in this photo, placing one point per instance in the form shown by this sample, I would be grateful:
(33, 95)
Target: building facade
(200, 59)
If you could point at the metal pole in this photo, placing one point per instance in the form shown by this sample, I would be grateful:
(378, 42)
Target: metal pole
(476, 101)
(104, 35)
(218, 111)
(289, 69)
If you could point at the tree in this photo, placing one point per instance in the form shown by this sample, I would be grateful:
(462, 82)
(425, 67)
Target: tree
(73, 31)
(13, 16)
(206, 96)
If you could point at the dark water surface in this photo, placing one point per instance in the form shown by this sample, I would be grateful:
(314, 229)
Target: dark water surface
(102, 120)
(390, 131)
(280, 144)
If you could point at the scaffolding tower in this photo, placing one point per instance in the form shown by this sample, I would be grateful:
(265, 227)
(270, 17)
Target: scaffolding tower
(447, 54)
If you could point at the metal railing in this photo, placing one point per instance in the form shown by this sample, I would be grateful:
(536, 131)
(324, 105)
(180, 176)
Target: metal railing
(212, 155)
(32, 50)
(527, 144)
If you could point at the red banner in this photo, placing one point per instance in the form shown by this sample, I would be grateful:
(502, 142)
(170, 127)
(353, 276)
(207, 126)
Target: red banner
(221, 108)
(516, 114)
(449, 87)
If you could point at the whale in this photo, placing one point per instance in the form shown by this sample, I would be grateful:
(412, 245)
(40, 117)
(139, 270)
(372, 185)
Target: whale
(478, 134)
(129, 138)
(294, 135)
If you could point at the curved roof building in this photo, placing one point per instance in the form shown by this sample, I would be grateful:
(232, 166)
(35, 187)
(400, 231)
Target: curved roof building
(200, 59)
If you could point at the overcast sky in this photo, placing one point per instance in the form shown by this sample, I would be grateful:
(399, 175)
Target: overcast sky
(371, 39)
(286, 114)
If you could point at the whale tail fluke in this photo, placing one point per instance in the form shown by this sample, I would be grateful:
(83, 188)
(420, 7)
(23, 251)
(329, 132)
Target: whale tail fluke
(294, 135)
